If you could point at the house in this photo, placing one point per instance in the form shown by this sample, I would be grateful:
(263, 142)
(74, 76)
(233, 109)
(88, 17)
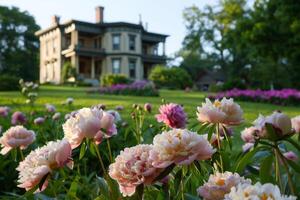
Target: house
(208, 78)
(99, 48)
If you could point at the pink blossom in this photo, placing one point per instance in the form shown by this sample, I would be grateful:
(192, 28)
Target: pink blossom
(290, 155)
(247, 146)
(179, 146)
(18, 118)
(56, 116)
(172, 115)
(132, 168)
(50, 108)
(14, 137)
(42, 161)
(119, 108)
(4, 110)
(250, 134)
(39, 121)
(107, 123)
(148, 107)
(296, 124)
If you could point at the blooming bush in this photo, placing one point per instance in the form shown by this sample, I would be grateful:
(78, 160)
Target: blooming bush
(280, 97)
(137, 88)
(92, 153)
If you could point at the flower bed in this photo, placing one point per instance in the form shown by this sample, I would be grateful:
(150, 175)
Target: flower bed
(92, 154)
(278, 97)
(137, 88)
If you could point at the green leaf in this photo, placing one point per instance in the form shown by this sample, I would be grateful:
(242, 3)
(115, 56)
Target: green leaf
(140, 191)
(294, 165)
(164, 173)
(103, 187)
(265, 171)
(177, 179)
(82, 150)
(73, 188)
(271, 132)
(292, 142)
(245, 159)
(190, 197)
(203, 127)
(211, 131)
(92, 149)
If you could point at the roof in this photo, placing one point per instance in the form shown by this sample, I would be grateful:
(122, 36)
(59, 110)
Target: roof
(101, 25)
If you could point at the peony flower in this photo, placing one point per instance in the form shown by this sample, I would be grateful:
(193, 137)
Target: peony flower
(14, 137)
(116, 115)
(296, 124)
(247, 146)
(18, 118)
(266, 191)
(69, 101)
(290, 155)
(119, 108)
(56, 116)
(39, 121)
(107, 123)
(220, 184)
(148, 107)
(50, 108)
(225, 111)
(281, 123)
(179, 146)
(4, 110)
(250, 134)
(132, 168)
(42, 161)
(172, 115)
(84, 124)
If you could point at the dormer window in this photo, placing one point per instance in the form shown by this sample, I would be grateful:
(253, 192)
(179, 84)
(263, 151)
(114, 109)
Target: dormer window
(132, 42)
(116, 41)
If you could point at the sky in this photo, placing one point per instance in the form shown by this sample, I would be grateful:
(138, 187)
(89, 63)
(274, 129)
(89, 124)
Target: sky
(162, 16)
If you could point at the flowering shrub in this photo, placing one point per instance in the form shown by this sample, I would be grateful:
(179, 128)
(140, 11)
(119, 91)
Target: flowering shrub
(280, 97)
(137, 88)
(91, 153)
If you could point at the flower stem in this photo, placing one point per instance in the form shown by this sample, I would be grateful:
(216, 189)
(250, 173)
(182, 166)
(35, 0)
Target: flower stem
(109, 151)
(100, 159)
(287, 170)
(21, 153)
(277, 170)
(219, 145)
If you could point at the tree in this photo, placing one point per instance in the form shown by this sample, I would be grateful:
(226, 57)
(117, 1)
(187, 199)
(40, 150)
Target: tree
(18, 45)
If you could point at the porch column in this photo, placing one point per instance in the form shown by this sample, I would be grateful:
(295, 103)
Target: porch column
(74, 37)
(164, 48)
(75, 62)
(93, 68)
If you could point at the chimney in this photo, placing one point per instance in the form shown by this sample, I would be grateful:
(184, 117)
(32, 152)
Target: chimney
(99, 14)
(55, 20)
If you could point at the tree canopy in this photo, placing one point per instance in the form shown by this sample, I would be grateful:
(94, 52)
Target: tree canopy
(257, 43)
(19, 46)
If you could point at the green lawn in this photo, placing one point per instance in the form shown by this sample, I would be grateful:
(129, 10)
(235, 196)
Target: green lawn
(57, 94)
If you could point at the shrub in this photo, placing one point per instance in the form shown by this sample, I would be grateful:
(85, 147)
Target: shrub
(137, 88)
(9, 82)
(113, 79)
(234, 83)
(171, 78)
(68, 71)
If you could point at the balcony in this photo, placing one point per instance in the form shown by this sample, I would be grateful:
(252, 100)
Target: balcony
(154, 58)
(83, 50)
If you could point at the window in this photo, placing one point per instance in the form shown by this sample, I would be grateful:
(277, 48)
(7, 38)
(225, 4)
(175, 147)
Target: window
(116, 66)
(116, 41)
(155, 50)
(132, 66)
(54, 45)
(47, 47)
(132, 42)
(81, 43)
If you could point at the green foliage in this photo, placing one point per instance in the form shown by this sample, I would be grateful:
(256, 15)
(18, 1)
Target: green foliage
(8, 82)
(172, 78)
(256, 43)
(68, 71)
(113, 79)
(19, 46)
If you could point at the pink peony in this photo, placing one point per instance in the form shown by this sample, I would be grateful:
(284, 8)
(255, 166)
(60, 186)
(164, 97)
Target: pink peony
(179, 146)
(148, 107)
(50, 108)
(250, 134)
(116, 115)
(42, 162)
(220, 184)
(119, 108)
(225, 112)
(14, 137)
(18, 118)
(132, 168)
(56, 116)
(172, 115)
(290, 155)
(4, 110)
(39, 120)
(247, 146)
(84, 124)
(107, 123)
(296, 124)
